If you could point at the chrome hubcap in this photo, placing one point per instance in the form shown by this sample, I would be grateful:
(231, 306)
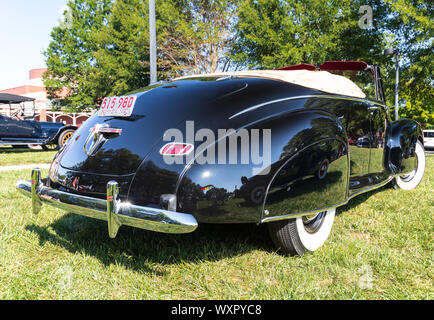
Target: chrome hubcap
(312, 223)
(410, 176)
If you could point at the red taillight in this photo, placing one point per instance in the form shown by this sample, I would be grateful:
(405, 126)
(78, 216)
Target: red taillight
(107, 130)
(176, 149)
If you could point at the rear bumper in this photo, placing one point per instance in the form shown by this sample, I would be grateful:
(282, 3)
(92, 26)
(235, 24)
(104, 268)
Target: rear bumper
(112, 210)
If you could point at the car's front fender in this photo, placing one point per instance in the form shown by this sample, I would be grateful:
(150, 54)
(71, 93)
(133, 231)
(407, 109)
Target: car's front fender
(59, 132)
(400, 157)
(50, 130)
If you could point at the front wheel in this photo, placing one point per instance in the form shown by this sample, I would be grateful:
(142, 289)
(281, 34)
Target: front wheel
(50, 147)
(300, 235)
(412, 180)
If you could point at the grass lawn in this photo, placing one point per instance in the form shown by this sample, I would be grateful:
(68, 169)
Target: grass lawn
(381, 247)
(10, 156)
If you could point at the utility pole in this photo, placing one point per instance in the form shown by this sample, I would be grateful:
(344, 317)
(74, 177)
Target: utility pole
(397, 85)
(152, 41)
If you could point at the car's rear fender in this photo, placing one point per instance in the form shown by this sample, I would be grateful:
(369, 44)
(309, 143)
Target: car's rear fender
(400, 156)
(231, 193)
(314, 169)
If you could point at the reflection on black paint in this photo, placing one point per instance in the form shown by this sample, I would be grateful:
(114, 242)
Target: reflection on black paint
(109, 161)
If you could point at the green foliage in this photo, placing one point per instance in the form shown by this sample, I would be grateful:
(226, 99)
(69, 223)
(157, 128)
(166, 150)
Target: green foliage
(69, 56)
(276, 33)
(419, 104)
(102, 47)
(200, 37)
(122, 53)
(412, 29)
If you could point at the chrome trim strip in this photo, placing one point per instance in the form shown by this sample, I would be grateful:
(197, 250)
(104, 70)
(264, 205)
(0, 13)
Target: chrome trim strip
(304, 97)
(371, 188)
(115, 212)
(301, 214)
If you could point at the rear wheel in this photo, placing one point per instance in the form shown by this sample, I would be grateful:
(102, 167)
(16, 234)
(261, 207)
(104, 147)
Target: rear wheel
(33, 146)
(322, 171)
(300, 235)
(412, 180)
(64, 136)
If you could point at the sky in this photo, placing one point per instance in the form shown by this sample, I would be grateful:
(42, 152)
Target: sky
(25, 27)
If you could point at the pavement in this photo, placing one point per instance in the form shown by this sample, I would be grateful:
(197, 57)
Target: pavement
(25, 166)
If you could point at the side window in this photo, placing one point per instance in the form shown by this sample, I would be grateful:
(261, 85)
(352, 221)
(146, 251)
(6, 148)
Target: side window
(354, 117)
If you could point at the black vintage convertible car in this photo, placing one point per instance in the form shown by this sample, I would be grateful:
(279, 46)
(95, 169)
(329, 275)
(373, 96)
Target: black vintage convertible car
(274, 147)
(19, 129)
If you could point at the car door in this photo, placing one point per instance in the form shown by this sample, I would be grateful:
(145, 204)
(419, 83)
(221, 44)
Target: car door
(3, 126)
(23, 129)
(354, 117)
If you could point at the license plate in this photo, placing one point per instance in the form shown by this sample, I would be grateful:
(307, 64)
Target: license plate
(117, 106)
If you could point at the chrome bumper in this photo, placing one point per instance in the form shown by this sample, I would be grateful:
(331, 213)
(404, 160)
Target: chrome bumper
(111, 210)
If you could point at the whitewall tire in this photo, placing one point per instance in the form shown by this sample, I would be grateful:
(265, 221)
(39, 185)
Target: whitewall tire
(304, 234)
(412, 180)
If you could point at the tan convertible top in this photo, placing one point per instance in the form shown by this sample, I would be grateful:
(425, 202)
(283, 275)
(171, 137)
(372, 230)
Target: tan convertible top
(318, 80)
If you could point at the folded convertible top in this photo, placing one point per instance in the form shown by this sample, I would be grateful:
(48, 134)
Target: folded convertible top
(317, 80)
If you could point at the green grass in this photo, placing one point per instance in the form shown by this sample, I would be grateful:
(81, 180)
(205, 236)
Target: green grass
(10, 156)
(386, 234)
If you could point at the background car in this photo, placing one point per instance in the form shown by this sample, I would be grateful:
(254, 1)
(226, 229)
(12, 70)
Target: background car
(428, 139)
(19, 128)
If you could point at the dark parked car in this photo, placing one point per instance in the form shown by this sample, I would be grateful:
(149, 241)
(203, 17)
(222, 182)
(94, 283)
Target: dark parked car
(19, 129)
(363, 142)
(245, 147)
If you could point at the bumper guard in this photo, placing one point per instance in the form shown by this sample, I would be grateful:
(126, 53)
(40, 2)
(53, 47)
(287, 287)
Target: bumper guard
(112, 210)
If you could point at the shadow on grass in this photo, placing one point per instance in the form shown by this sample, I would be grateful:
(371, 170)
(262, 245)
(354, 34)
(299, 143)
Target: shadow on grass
(357, 200)
(139, 250)
(21, 150)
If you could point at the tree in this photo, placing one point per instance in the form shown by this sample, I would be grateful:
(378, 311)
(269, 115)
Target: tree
(412, 28)
(102, 49)
(276, 33)
(419, 104)
(199, 38)
(122, 51)
(69, 55)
